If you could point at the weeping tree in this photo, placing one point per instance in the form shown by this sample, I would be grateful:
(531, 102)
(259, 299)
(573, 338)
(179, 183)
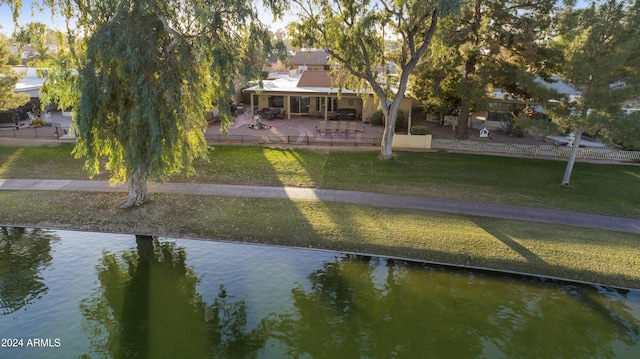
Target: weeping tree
(14, 5)
(147, 73)
(353, 33)
(600, 47)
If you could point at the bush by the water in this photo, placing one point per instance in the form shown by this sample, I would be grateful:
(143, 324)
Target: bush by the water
(420, 130)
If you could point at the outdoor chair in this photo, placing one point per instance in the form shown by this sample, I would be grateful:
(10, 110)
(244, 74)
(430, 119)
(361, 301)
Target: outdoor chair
(333, 128)
(322, 128)
(352, 128)
(343, 127)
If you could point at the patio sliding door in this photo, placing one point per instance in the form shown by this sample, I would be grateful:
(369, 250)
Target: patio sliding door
(300, 104)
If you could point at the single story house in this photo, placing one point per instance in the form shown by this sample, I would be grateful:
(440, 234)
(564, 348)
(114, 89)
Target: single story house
(311, 93)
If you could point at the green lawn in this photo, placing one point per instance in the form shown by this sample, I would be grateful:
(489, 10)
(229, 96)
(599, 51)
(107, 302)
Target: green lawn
(546, 249)
(554, 250)
(597, 188)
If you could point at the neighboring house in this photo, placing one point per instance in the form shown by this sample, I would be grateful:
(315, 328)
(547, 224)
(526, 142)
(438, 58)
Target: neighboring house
(29, 52)
(311, 60)
(311, 93)
(501, 104)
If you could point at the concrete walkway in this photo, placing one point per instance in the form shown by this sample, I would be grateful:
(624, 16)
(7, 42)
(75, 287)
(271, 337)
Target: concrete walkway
(365, 198)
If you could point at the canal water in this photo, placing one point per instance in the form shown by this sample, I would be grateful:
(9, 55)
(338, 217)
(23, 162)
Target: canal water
(67, 294)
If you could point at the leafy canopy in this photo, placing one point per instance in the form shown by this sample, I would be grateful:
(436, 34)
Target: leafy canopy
(147, 72)
(355, 33)
(8, 80)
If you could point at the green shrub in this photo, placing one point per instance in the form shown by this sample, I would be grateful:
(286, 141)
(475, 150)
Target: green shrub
(537, 126)
(400, 120)
(377, 119)
(420, 130)
(511, 127)
(38, 122)
(14, 60)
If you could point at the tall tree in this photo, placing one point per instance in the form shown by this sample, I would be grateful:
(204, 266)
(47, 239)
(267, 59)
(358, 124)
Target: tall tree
(493, 43)
(600, 50)
(8, 80)
(31, 33)
(353, 33)
(150, 71)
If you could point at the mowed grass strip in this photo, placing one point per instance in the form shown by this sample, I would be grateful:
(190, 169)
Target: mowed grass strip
(553, 250)
(610, 189)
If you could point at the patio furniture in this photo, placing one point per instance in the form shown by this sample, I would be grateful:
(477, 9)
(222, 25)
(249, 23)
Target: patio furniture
(352, 128)
(345, 114)
(278, 114)
(322, 128)
(270, 114)
(333, 128)
(343, 127)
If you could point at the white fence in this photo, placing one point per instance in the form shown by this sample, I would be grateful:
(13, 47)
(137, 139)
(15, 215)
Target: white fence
(536, 150)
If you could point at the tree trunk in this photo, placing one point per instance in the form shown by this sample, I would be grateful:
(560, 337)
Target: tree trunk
(389, 130)
(566, 180)
(387, 142)
(462, 128)
(138, 193)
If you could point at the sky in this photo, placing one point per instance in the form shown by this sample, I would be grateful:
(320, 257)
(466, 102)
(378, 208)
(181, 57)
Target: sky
(27, 16)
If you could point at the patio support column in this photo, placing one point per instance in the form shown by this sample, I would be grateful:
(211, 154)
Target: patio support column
(251, 108)
(326, 105)
(287, 106)
(409, 123)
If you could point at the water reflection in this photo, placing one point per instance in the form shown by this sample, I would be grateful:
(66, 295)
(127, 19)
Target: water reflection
(147, 306)
(24, 253)
(412, 312)
(112, 296)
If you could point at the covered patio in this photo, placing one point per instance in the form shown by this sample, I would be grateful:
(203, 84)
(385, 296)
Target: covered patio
(313, 93)
(297, 129)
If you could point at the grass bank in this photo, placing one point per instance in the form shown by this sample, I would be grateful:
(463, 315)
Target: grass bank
(596, 188)
(553, 250)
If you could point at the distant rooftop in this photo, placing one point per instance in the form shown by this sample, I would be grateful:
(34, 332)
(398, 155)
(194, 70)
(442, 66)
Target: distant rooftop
(311, 57)
(310, 81)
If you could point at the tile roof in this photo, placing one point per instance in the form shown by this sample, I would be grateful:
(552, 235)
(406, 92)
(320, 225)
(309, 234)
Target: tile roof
(312, 78)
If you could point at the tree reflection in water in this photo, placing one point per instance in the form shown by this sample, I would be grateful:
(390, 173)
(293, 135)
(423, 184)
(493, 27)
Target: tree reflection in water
(24, 253)
(147, 306)
(351, 310)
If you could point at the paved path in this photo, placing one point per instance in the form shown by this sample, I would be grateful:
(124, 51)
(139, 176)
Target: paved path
(366, 198)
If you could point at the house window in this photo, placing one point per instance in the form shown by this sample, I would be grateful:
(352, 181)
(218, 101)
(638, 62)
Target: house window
(276, 101)
(300, 104)
(332, 101)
